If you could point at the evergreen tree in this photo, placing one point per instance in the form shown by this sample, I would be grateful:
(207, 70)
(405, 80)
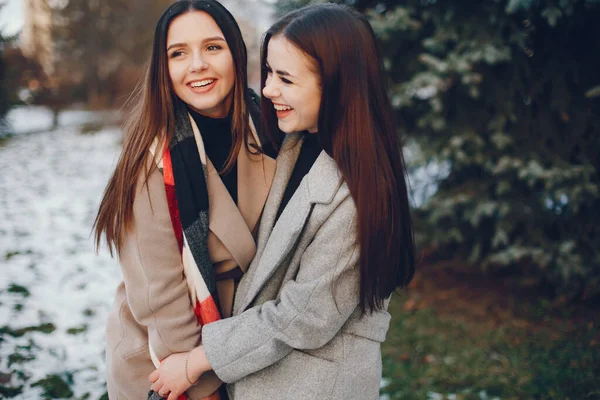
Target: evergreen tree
(505, 96)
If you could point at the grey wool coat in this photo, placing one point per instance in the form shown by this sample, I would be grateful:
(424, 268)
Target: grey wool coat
(297, 330)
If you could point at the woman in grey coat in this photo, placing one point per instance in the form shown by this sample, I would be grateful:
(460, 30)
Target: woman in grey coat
(335, 239)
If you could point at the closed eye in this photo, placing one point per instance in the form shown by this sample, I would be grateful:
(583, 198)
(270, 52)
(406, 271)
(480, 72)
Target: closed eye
(285, 80)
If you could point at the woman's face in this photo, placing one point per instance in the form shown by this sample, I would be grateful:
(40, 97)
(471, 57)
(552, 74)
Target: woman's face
(293, 86)
(200, 64)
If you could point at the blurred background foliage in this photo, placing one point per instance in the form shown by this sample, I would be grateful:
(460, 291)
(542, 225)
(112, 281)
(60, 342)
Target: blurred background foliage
(93, 53)
(503, 98)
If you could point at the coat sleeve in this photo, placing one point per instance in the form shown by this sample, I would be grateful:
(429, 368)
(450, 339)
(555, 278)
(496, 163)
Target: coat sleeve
(308, 313)
(153, 273)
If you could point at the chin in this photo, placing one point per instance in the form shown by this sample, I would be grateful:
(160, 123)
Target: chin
(204, 105)
(285, 129)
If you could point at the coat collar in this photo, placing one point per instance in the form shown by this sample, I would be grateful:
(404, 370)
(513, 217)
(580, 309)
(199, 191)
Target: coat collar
(322, 181)
(233, 224)
(275, 241)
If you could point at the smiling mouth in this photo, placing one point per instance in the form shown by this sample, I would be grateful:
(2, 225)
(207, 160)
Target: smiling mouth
(282, 110)
(281, 107)
(201, 84)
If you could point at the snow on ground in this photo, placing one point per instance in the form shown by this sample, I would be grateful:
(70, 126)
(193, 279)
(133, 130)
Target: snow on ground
(28, 119)
(50, 187)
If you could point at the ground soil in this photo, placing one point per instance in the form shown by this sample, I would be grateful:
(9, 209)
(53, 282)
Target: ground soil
(455, 290)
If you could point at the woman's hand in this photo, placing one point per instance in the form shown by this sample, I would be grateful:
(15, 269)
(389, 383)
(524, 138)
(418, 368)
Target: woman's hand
(170, 378)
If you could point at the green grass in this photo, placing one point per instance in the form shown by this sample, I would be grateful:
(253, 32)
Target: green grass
(18, 289)
(429, 353)
(77, 330)
(55, 387)
(44, 328)
(10, 254)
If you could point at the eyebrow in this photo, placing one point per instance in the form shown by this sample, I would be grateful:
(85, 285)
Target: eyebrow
(210, 39)
(281, 72)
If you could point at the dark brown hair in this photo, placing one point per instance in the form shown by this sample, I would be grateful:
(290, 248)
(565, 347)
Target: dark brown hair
(152, 114)
(356, 129)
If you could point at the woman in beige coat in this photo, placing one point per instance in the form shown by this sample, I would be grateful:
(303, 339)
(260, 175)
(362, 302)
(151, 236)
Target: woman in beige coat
(185, 198)
(335, 239)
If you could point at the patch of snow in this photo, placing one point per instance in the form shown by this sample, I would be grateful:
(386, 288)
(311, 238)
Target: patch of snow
(80, 117)
(50, 188)
(28, 119)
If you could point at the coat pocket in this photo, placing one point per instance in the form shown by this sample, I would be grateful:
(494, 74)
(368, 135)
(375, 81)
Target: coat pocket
(297, 376)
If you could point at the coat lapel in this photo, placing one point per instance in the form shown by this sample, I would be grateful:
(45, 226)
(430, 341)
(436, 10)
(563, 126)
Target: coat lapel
(255, 174)
(284, 167)
(277, 240)
(226, 220)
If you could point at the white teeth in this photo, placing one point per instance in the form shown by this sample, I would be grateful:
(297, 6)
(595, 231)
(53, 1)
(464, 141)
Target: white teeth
(281, 108)
(201, 83)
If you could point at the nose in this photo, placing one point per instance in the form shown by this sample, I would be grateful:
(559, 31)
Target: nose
(197, 63)
(271, 90)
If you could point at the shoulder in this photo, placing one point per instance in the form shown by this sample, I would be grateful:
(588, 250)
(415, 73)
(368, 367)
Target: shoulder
(325, 181)
(333, 202)
(342, 206)
(150, 186)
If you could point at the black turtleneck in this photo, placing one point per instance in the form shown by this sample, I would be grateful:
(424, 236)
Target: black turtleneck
(216, 135)
(311, 148)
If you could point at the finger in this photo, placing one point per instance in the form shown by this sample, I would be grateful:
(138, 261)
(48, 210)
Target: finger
(154, 376)
(156, 386)
(173, 396)
(164, 392)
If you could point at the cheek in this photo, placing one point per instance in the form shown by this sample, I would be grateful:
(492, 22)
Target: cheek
(316, 101)
(227, 67)
(293, 96)
(232, 75)
(174, 73)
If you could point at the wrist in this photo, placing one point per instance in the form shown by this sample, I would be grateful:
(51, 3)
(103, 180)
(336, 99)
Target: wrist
(198, 363)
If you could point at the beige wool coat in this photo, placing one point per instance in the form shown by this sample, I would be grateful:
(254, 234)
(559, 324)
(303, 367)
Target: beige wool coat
(297, 330)
(152, 304)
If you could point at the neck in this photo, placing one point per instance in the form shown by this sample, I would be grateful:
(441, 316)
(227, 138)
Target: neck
(220, 111)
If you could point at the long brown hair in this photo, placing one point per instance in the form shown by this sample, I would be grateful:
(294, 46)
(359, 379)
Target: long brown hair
(356, 129)
(152, 114)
